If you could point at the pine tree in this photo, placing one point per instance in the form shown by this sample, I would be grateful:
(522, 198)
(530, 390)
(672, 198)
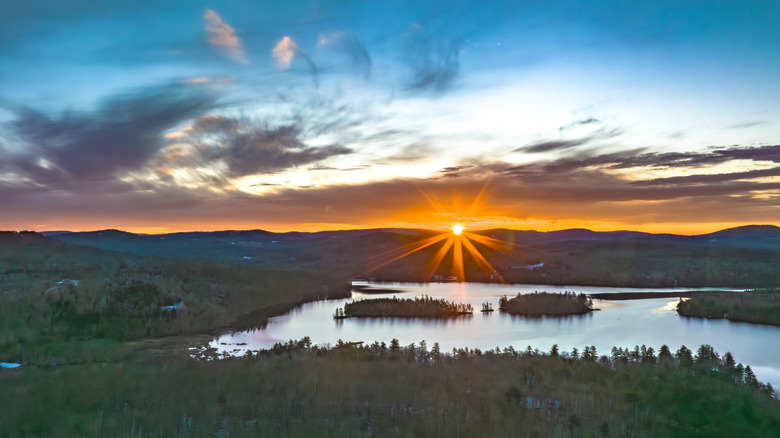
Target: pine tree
(684, 357)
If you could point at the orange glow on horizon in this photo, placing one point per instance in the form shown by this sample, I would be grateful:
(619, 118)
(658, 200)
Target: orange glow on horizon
(685, 229)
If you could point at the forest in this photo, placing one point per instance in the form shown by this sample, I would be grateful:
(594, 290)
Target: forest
(357, 389)
(544, 303)
(423, 307)
(758, 306)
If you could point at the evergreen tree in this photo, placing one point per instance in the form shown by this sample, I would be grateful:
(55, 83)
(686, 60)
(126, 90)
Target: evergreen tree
(395, 346)
(684, 357)
(728, 361)
(648, 356)
(750, 378)
(665, 356)
(436, 352)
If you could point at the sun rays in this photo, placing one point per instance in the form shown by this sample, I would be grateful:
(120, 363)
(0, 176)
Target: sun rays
(453, 242)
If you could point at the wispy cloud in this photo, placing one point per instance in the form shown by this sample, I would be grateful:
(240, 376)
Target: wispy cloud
(124, 132)
(352, 46)
(285, 51)
(563, 145)
(433, 62)
(223, 36)
(249, 147)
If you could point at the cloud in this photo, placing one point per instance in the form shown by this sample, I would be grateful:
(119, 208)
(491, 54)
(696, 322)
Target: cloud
(249, 150)
(561, 145)
(453, 171)
(715, 178)
(217, 147)
(588, 121)
(285, 51)
(707, 158)
(223, 36)
(352, 46)
(123, 133)
(639, 158)
(747, 125)
(433, 62)
(515, 193)
(552, 145)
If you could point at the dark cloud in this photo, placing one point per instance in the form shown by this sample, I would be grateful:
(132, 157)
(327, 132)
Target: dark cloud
(746, 125)
(636, 158)
(350, 44)
(338, 169)
(553, 145)
(453, 171)
(705, 158)
(261, 149)
(121, 134)
(562, 145)
(715, 178)
(588, 121)
(433, 62)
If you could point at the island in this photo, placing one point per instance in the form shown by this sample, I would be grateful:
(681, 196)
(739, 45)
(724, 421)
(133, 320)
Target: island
(425, 307)
(546, 304)
(758, 306)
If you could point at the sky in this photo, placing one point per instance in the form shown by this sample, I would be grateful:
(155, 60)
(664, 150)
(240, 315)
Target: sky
(154, 117)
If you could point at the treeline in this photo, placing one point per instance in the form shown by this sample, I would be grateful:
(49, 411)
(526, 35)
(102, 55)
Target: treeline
(352, 389)
(543, 303)
(425, 307)
(705, 361)
(757, 306)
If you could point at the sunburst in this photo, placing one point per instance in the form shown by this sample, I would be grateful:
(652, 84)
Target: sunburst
(453, 241)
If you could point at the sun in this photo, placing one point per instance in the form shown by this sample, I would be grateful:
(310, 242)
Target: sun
(458, 242)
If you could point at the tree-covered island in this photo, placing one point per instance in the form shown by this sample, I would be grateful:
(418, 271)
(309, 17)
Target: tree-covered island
(425, 307)
(759, 306)
(546, 304)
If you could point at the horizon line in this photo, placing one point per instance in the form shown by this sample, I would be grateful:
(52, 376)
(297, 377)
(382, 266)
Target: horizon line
(385, 228)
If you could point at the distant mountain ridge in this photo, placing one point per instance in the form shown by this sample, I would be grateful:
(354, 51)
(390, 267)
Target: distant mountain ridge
(753, 231)
(740, 257)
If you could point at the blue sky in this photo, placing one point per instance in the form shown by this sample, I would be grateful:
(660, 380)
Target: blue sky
(659, 116)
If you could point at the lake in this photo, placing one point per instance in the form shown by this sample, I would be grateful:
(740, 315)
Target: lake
(652, 322)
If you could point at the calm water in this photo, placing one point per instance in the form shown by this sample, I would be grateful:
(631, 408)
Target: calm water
(652, 322)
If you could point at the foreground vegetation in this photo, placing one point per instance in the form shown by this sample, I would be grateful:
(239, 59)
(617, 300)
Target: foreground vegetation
(425, 307)
(756, 306)
(297, 389)
(62, 303)
(88, 328)
(543, 303)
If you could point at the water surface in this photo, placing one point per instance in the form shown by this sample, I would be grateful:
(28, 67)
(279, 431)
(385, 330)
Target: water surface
(652, 322)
